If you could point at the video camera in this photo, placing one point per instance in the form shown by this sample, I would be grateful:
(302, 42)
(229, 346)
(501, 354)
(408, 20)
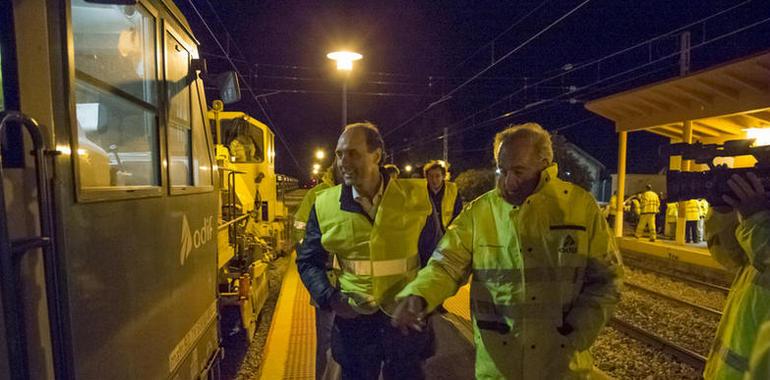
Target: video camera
(712, 184)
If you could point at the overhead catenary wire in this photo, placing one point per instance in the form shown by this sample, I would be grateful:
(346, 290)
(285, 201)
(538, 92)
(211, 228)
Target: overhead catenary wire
(248, 87)
(449, 94)
(595, 61)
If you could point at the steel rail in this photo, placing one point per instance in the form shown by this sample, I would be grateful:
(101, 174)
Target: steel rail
(675, 276)
(682, 354)
(673, 298)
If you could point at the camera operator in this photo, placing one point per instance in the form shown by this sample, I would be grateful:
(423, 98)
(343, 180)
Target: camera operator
(738, 237)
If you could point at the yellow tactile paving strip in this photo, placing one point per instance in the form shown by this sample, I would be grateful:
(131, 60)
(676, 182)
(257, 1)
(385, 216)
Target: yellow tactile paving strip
(290, 349)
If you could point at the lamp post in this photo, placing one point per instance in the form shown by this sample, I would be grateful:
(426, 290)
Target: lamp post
(344, 61)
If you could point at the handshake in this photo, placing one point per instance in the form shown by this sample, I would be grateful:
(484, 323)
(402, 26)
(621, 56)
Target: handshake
(410, 312)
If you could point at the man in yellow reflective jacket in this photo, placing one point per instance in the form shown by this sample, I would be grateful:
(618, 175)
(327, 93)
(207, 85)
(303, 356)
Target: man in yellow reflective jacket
(691, 217)
(545, 270)
(324, 319)
(649, 205)
(739, 238)
(374, 225)
(444, 197)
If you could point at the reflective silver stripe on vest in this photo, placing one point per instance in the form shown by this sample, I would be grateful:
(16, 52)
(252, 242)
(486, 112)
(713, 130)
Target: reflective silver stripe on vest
(739, 362)
(535, 274)
(380, 268)
(485, 310)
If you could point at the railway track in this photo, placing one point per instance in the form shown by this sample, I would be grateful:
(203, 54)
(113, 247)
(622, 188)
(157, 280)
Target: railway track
(673, 298)
(678, 277)
(681, 353)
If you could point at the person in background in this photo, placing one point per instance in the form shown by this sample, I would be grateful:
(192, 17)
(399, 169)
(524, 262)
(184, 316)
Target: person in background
(649, 206)
(612, 208)
(324, 319)
(444, 198)
(691, 215)
(672, 212)
(546, 273)
(703, 209)
(738, 237)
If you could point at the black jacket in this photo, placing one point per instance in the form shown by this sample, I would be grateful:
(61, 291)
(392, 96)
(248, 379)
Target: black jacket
(313, 259)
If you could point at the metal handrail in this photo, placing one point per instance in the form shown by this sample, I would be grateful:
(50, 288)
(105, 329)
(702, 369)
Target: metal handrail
(9, 264)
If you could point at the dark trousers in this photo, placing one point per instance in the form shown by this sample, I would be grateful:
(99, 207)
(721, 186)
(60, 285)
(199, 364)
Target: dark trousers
(691, 231)
(368, 343)
(324, 320)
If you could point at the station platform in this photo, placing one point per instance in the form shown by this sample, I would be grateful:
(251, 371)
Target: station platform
(289, 352)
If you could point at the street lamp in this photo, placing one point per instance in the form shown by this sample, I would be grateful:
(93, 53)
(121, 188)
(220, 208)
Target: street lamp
(320, 154)
(344, 61)
(316, 166)
(408, 168)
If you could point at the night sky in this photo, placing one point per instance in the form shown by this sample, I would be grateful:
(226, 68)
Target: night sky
(416, 52)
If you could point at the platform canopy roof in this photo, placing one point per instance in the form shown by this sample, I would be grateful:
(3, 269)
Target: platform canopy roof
(722, 102)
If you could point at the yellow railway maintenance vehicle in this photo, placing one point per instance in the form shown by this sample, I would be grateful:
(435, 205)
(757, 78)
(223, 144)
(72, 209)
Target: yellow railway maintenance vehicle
(253, 218)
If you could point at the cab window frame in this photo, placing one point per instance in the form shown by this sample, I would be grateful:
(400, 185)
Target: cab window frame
(195, 92)
(86, 194)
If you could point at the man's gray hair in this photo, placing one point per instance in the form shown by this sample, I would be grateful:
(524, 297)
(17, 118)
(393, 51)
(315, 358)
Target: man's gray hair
(532, 133)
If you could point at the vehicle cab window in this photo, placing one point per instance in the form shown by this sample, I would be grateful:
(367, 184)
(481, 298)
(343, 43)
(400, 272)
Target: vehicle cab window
(116, 97)
(189, 158)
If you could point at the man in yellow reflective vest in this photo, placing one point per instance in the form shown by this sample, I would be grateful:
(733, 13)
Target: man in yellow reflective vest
(324, 319)
(612, 208)
(545, 270)
(738, 237)
(691, 216)
(374, 225)
(672, 212)
(649, 205)
(443, 195)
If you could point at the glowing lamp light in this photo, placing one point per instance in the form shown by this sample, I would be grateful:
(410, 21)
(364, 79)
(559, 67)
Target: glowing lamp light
(408, 168)
(316, 166)
(344, 59)
(761, 135)
(320, 154)
(315, 171)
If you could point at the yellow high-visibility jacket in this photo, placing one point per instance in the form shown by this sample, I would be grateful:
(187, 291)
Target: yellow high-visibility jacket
(672, 212)
(303, 211)
(538, 268)
(759, 364)
(448, 203)
(377, 258)
(744, 246)
(613, 205)
(649, 202)
(692, 210)
(703, 207)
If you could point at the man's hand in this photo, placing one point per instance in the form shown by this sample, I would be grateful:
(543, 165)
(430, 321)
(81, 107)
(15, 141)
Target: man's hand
(341, 307)
(410, 314)
(750, 193)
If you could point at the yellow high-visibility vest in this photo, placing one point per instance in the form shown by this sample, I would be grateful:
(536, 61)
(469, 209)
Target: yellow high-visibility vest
(376, 258)
(448, 203)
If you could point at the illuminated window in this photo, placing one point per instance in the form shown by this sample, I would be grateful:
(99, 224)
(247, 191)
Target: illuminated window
(116, 96)
(189, 160)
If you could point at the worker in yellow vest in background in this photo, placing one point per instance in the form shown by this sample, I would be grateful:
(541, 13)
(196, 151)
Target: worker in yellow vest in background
(691, 216)
(738, 237)
(444, 197)
(612, 208)
(649, 205)
(672, 212)
(545, 269)
(375, 226)
(703, 208)
(324, 319)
